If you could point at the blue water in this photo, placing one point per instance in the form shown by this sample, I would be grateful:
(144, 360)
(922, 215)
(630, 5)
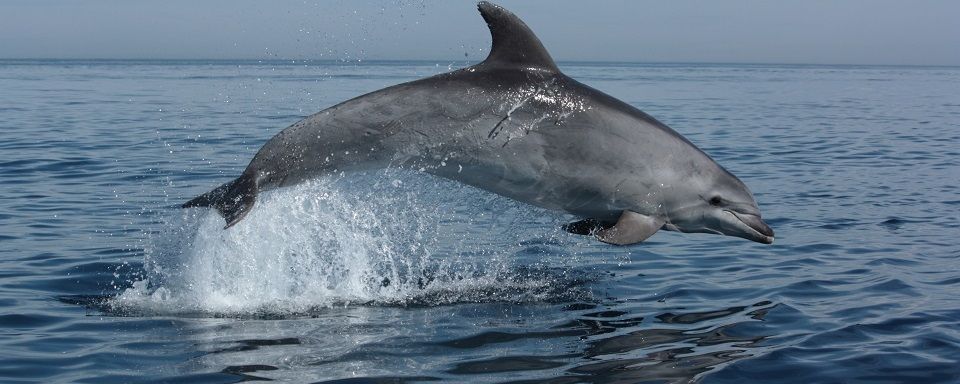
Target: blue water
(397, 276)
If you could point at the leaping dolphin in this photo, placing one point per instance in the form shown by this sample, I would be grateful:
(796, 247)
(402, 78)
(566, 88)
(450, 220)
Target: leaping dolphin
(516, 126)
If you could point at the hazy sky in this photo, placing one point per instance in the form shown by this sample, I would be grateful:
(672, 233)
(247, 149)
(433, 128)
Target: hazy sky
(920, 32)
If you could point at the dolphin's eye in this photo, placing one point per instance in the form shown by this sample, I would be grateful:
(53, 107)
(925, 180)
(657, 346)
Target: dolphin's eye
(716, 201)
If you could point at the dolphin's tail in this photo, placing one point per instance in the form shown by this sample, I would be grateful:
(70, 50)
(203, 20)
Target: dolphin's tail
(233, 200)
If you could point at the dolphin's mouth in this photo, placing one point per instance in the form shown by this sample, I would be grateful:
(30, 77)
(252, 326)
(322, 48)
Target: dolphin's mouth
(758, 230)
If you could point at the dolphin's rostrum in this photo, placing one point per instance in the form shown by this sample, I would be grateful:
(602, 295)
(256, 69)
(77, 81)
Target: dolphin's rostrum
(517, 126)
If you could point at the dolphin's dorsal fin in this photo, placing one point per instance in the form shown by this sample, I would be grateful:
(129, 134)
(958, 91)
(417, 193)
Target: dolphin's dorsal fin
(514, 44)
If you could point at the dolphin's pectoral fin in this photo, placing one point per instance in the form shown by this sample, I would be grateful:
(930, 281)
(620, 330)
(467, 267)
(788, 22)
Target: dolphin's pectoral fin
(631, 228)
(586, 226)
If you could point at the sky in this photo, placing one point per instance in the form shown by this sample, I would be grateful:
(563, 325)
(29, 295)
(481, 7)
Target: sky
(883, 32)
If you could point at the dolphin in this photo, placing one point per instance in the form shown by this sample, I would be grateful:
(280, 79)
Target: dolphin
(514, 125)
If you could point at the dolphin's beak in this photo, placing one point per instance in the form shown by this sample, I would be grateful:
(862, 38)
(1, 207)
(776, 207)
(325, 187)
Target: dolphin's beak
(758, 230)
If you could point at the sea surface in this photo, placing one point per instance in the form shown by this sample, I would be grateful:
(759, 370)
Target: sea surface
(396, 276)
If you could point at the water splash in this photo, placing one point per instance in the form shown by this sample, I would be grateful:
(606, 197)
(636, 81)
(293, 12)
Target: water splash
(373, 240)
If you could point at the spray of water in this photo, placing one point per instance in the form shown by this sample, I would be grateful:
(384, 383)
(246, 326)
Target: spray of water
(384, 239)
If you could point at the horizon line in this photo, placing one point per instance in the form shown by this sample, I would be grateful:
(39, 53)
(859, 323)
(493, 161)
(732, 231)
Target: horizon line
(435, 60)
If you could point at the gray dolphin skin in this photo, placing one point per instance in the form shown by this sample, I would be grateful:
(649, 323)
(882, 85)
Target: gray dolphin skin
(516, 126)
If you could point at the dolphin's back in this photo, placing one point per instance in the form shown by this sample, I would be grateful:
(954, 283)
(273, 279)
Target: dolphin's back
(512, 124)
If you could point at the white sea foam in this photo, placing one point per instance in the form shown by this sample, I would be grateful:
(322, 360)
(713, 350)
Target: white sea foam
(324, 244)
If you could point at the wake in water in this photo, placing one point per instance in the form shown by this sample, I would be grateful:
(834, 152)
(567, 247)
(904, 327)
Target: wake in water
(390, 238)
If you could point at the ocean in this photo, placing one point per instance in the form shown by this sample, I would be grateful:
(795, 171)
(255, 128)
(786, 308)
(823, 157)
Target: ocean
(396, 276)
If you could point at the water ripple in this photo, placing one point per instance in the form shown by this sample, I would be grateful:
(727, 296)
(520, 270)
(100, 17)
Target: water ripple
(103, 279)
